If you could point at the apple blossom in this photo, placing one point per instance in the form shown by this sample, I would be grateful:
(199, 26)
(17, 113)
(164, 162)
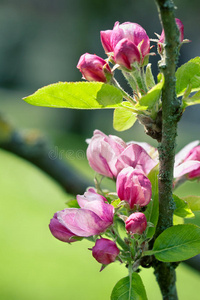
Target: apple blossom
(136, 223)
(181, 32)
(94, 68)
(94, 216)
(187, 161)
(135, 41)
(105, 251)
(134, 187)
(103, 151)
(135, 156)
(60, 232)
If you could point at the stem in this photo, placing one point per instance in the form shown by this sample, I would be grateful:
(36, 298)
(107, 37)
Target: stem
(165, 272)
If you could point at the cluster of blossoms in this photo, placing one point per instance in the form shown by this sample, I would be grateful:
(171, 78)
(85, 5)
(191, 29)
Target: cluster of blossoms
(99, 214)
(127, 164)
(127, 46)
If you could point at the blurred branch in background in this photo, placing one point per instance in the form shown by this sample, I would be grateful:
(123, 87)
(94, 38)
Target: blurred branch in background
(32, 146)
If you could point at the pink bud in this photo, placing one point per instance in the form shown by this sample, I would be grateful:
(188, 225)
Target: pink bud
(136, 223)
(94, 68)
(103, 151)
(60, 232)
(133, 32)
(181, 31)
(126, 53)
(134, 187)
(105, 251)
(105, 40)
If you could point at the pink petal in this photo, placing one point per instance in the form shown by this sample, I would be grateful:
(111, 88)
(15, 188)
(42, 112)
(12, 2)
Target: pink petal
(181, 155)
(186, 167)
(135, 156)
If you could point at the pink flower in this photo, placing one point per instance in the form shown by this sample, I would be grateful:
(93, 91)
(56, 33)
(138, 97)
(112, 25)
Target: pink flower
(61, 232)
(134, 187)
(105, 251)
(162, 37)
(126, 53)
(94, 68)
(94, 216)
(134, 34)
(136, 223)
(187, 161)
(108, 155)
(135, 156)
(103, 151)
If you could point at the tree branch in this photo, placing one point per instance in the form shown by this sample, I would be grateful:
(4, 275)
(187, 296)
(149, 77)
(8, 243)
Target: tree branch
(33, 147)
(171, 112)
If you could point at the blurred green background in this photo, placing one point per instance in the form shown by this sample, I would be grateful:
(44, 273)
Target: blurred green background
(40, 43)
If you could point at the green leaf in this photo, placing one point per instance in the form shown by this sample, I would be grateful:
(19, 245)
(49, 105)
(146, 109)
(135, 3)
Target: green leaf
(123, 119)
(73, 203)
(182, 208)
(188, 75)
(177, 220)
(195, 99)
(152, 211)
(116, 202)
(193, 202)
(177, 243)
(150, 82)
(80, 95)
(126, 290)
(153, 95)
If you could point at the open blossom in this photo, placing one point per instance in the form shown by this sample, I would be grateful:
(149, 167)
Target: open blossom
(187, 161)
(105, 251)
(93, 67)
(103, 151)
(135, 156)
(128, 42)
(93, 218)
(134, 187)
(108, 155)
(136, 223)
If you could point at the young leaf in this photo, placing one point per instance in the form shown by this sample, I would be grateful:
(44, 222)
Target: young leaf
(150, 82)
(152, 210)
(193, 202)
(123, 119)
(195, 99)
(188, 74)
(177, 243)
(126, 290)
(182, 208)
(80, 95)
(153, 95)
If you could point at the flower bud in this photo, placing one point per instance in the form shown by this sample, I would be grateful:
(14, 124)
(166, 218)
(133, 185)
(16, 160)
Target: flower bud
(126, 53)
(103, 151)
(133, 32)
(105, 251)
(60, 232)
(134, 187)
(136, 223)
(94, 68)
(162, 37)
